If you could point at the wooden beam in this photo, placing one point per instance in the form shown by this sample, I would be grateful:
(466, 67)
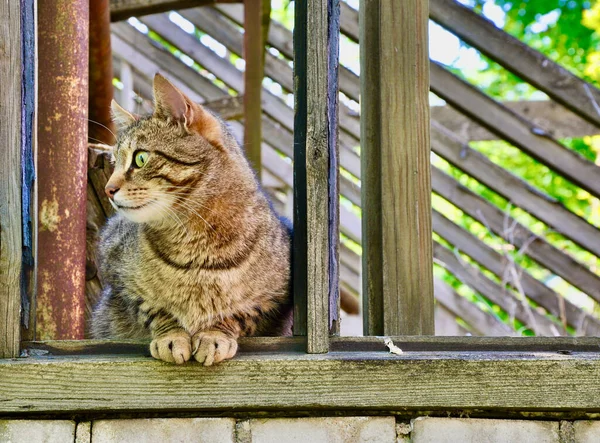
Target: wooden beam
(414, 343)
(17, 121)
(396, 167)
(377, 381)
(535, 68)
(514, 129)
(316, 213)
(124, 9)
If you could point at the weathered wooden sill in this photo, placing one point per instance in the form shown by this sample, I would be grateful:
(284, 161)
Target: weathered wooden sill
(563, 378)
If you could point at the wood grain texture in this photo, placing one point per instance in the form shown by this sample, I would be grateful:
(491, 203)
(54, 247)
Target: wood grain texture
(529, 64)
(514, 189)
(11, 241)
(515, 129)
(417, 343)
(402, 104)
(371, 193)
(368, 381)
(316, 169)
(29, 149)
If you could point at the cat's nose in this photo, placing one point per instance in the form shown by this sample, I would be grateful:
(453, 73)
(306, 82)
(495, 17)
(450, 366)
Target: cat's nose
(111, 190)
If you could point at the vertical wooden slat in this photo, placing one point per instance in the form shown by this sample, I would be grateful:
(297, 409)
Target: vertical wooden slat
(17, 158)
(28, 167)
(372, 258)
(398, 285)
(316, 35)
(253, 77)
(10, 180)
(126, 75)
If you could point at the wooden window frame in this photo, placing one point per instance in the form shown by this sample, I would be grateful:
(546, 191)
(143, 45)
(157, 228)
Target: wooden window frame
(315, 371)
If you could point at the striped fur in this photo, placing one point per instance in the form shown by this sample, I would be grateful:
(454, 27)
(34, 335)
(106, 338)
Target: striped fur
(203, 259)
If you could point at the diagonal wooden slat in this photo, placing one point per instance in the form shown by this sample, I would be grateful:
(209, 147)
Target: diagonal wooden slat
(514, 306)
(464, 241)
(529, 64)
(503, 225)
(123, 9)
(514, 129)
(483, 322)
(518, 192)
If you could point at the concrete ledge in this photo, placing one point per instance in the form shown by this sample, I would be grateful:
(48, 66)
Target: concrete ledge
(452, 430)
(587, 431)
(323, 430)
(161, 430)
(38, 431)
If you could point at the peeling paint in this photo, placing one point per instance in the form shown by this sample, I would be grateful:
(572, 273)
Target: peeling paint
(49, 217)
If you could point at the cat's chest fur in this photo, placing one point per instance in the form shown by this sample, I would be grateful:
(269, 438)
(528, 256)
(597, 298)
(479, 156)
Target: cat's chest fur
(183, 275)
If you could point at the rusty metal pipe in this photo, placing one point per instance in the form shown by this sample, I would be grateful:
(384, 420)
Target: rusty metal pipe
(62, 165)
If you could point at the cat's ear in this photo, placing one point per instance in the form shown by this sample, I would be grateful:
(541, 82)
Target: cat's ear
(171, 103)
(121, 116)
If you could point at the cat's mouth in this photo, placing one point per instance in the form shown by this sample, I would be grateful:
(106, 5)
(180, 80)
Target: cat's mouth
(131, 208)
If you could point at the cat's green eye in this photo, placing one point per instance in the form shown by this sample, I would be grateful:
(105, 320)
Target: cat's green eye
(141, 158)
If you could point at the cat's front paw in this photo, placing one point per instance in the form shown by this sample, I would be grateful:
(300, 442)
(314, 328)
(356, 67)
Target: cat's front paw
(174, 347)
(212, 347)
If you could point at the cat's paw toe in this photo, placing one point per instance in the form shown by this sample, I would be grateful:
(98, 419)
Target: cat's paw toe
(212, 347)
(172, 348)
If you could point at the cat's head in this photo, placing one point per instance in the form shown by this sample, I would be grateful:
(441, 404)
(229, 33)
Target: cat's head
(162, 160)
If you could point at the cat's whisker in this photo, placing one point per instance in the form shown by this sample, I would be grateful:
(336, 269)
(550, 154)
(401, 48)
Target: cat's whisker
(173, 216)
(105, 127)
(187, 206)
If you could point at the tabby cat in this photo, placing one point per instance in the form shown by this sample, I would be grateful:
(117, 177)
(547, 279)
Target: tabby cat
(195, 256)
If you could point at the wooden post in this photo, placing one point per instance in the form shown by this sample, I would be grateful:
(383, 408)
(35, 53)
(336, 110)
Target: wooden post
(396, 183)
(254, 48)
(316, 211)
(17, 158)
(62, 123)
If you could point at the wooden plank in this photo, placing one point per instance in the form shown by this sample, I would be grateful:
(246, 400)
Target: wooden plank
(515, 307)
(29, 148)
(514, 129)
(482, 322)
(415, 343)
(554, 119)
(145, 56)
(254, 49)
(316, 213)
(371, 191)
(123, 9)
(514, 189)
(396, 169)
(541, 382)
(529, 64)
(277, 69)
(11, 241)
(515, 276)
(445, 322)
(503, 225)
